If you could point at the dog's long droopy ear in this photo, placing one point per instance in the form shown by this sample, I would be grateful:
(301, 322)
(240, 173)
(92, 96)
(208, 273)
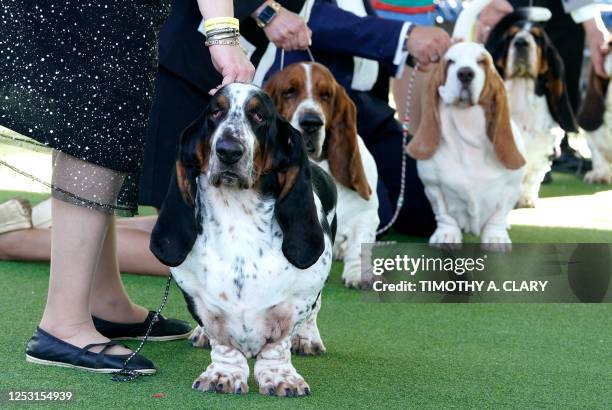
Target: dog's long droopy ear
(497, 45)
(342, 147)
(274, 88)
(591, 115)
(295, 210)
(499, 129)
(552, 81)
(177, 226)
(427, 137)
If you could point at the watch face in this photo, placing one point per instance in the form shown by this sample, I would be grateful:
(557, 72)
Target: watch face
(267, 14)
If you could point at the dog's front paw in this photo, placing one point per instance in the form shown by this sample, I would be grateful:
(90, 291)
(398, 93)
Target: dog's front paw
(282, 381)
(446, 237)
(525, 202)
(598, 176)
(222, 378)
(496, 241)
(353, 279)
(307, 346)
(199, 339)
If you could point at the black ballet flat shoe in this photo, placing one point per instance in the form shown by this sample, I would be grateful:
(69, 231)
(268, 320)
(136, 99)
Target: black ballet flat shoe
(47, 349)
(163, 329)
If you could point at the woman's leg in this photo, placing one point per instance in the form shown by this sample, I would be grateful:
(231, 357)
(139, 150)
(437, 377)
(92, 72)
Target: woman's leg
(141, 223)
(79, 231)
(109, 299)
(133, 235)
(74, 256)
(26, 245)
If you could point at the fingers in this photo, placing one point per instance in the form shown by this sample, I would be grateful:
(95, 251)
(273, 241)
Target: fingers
(297, 39)
(228, 78)
(304, 38)
(598, 64)
(424, 67)
(232, 64)
(504, 6)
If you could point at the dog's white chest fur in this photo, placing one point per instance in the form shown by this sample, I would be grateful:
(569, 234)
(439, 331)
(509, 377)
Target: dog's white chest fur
(244, 290)
(602, 137)
(540, 132)
(464, 175)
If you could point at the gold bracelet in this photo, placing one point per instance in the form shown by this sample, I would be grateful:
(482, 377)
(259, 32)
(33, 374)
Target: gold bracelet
(221, 22)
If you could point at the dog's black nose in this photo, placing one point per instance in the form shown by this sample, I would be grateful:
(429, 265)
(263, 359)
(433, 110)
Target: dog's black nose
(521, 43)
(465, 75)
(310, 123)
(229, 151)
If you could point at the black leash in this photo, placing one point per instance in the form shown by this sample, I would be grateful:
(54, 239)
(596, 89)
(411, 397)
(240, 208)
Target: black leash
(125, 374)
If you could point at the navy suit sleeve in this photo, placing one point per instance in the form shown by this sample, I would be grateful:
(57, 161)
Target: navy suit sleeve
(338, 31)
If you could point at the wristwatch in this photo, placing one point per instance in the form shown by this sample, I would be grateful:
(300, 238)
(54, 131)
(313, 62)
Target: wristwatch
(266, 16)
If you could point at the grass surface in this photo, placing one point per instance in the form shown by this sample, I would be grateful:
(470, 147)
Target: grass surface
(392, 356)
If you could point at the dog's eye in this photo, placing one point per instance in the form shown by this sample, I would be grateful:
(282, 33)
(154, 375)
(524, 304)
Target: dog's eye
(290, 93)
(481, 61)
(450, 62)
(325, 96)
(216, 114)
(257, 117)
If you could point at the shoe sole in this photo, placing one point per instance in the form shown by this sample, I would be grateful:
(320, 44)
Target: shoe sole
(36, 360)
(156, 338)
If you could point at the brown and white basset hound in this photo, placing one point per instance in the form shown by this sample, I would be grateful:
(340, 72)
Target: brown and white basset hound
(468, 151)
(596, 119)
(534, 76)
(308, 95)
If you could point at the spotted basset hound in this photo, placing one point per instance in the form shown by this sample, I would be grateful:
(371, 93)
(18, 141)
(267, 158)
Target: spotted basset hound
(308, 95)
(535, 81)
(468, 151)
(247, 227)
(596, 118)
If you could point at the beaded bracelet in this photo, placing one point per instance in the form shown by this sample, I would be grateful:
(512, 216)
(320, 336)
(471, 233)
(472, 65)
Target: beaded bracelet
(232, 42)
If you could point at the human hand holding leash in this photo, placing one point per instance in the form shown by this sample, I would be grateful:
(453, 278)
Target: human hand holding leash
(427, 45)
(490, 16)
(598, 39)
(286, 30)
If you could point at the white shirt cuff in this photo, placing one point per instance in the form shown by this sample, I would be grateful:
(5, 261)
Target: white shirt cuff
(585, 13)
(401, 55)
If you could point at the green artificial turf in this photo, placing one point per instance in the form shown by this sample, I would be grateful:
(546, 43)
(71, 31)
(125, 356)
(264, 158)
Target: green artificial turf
(391, 356)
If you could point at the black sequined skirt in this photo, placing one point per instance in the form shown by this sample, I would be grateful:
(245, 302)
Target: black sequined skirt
(77, 76)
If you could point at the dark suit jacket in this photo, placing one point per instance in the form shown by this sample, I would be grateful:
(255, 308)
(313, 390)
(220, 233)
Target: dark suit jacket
(337, 37)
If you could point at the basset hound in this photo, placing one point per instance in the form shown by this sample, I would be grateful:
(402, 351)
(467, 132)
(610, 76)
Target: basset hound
(468, 151)
(596, 118)
(308, 95)
(248, 227)
(535, 81)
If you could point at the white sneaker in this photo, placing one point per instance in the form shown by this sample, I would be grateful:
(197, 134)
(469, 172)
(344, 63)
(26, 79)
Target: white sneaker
(41, 215)
(15, 214)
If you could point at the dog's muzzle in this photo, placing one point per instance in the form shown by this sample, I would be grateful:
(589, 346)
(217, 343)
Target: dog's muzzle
(521, 66)
(465, 76)
(311, 126)
(228, 169)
